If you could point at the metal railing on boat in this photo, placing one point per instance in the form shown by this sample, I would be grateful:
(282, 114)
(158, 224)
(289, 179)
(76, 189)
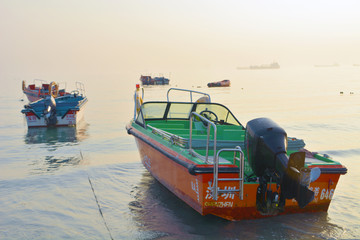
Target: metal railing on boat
(209, 123)
(180, 141)
(215, 189)
(173, 138)
(80, 88)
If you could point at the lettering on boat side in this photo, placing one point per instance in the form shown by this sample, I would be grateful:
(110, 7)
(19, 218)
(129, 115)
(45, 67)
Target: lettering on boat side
(225, 196)
(195, 188)
(70, 117)
(325, 193)
(147, 161)
(31, 118)
(219, 204)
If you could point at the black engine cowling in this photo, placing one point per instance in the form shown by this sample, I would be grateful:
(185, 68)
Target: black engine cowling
(266, 144)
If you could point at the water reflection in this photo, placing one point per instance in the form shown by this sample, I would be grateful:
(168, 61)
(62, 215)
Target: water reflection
(48, 164)
(53, 135)
(159, 213)
(50, 149)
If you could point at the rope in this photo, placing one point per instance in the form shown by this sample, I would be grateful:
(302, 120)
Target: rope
(97, 203)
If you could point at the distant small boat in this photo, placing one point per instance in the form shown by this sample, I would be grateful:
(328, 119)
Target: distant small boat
(330, 65)
(148, 80)
(223, 83)
(40, 89)
(273, 65)
(64, 110)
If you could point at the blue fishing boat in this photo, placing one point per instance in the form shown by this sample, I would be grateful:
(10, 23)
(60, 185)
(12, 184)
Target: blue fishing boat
(66, 110)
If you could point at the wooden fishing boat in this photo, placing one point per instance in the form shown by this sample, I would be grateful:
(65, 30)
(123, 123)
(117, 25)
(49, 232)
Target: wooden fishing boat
(223, 83)
(40, 89)
(64, 110)
(207, 158)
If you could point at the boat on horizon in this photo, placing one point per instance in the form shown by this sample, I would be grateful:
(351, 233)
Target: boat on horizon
(223, 83)
(148, 80)
(40, 89)
(273, 65)
(327, 65)
(64, 110)
(200, 152)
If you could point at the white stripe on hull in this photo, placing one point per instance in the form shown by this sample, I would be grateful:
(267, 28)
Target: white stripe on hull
(68, 120)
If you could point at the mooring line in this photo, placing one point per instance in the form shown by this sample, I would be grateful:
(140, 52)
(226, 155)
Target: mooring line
(97, 203)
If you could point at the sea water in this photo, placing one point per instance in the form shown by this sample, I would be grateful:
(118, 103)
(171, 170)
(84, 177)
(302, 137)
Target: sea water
(88, 182)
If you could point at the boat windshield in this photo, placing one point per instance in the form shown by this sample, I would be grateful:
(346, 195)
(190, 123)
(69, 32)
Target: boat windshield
(182, 110)
(221, 112)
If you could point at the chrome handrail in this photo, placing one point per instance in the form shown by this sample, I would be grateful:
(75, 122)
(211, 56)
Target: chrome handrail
(187, 90)
(80, 87)
(39, 80)
(208, 135)
(215, 189)
(172, 138)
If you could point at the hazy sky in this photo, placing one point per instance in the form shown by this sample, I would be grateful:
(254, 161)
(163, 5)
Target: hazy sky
(104, 36)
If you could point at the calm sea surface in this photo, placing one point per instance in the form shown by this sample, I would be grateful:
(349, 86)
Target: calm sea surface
(53, 181)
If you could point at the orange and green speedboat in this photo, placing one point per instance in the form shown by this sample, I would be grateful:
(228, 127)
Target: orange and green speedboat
(207, 158)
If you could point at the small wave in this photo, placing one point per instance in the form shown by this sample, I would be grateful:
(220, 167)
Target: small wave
(344, 152)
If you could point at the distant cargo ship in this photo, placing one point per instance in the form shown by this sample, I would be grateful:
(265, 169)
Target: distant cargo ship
(273, 65)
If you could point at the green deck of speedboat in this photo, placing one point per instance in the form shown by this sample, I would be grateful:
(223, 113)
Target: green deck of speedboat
(228, 136)
(200, 151)
(169, 124)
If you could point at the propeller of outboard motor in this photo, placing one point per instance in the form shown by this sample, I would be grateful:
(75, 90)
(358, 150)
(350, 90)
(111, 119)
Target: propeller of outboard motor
(266, 147)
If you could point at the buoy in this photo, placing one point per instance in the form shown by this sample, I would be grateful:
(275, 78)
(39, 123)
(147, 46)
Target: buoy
(51, 92)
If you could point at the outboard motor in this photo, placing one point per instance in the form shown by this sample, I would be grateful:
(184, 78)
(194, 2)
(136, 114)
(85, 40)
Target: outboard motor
(266, 144)
(50, 111)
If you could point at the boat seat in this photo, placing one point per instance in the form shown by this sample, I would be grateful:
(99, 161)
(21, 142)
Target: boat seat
(210, 158)
(199, 138)
(201, 144)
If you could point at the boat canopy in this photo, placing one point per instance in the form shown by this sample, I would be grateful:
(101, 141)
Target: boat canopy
(215, 112)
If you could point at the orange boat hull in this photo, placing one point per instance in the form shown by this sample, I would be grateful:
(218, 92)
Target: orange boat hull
(193, 187)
